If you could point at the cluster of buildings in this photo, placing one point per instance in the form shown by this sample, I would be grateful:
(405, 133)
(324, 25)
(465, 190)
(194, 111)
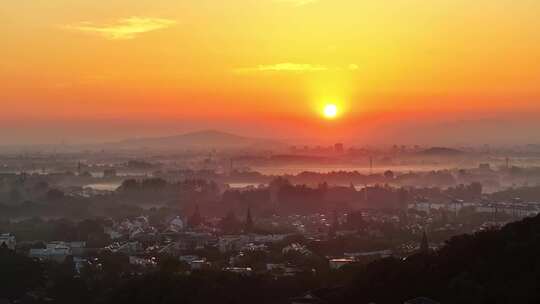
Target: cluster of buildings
(138, 227)
(144, 244)
(58, 251)
(516, 208)
(187, 245)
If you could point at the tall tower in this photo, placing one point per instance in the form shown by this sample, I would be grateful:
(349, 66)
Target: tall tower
(334, 226)
(249, 221)
(424, 244)
(196, 219)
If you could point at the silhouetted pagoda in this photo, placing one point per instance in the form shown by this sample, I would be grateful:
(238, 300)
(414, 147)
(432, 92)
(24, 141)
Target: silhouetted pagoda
(249, 225)
(424, 244)
(195, 219)
(334, 226)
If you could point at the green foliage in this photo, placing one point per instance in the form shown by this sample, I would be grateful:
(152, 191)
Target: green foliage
(18, 274)
(488, 267)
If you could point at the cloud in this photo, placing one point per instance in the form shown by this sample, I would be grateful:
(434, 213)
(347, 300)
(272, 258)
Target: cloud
(296, 2)
(294, 68)
(285, 67)
(123, 29)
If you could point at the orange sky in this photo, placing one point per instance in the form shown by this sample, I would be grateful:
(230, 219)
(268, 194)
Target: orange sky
(179, 65)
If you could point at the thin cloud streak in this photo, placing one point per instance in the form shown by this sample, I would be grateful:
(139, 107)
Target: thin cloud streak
(286, 67)
(293, 68)
(296, 2)
(123, 29)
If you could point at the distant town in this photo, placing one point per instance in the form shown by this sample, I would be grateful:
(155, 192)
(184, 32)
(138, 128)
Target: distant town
(216, 213)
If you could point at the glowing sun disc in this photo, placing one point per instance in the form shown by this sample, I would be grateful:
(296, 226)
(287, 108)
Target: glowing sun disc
(330, 111)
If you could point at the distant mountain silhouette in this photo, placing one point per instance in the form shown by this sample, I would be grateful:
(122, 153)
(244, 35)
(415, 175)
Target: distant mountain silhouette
(441, 151)
(206, 139)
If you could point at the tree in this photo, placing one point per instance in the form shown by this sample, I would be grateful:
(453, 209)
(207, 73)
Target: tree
(55, 195)
(230, 224)
(92, 232)
(129, 185)
(18, 274)
(15, 195)
(355, 220)
(169, 264)
(196, 219)
(389, 175)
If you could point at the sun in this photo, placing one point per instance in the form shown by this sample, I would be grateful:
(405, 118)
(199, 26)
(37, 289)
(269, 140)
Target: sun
(330, 111)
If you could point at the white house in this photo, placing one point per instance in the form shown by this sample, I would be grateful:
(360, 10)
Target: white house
(9, 240)
(57, 251)
(338, 263)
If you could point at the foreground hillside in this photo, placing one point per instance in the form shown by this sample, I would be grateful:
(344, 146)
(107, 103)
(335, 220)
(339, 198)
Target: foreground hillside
(499, 266)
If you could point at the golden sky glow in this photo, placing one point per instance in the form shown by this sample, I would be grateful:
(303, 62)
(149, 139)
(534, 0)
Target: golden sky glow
(273, 60)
